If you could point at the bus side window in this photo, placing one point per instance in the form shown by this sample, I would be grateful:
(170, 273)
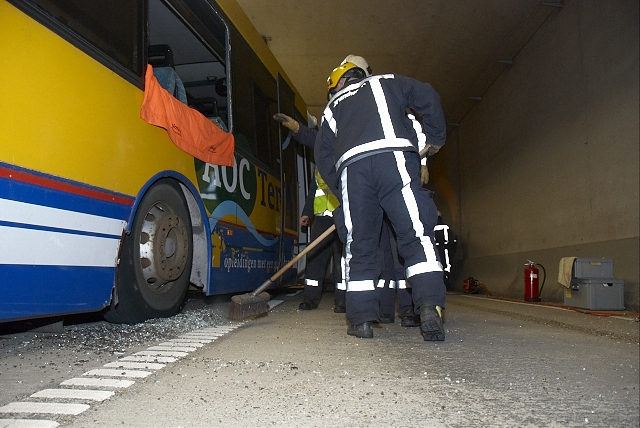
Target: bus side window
(175, 49)
(161, 59)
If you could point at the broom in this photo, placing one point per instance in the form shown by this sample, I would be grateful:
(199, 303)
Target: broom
(255, 303)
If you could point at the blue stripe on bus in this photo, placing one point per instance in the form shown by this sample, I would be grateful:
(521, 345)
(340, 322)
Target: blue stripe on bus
(33, 291)
(34, 194)
(57, 230)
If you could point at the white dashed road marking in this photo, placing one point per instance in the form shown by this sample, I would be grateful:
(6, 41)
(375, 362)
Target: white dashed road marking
(162, 354)
(173, 348)
(104, 383)
(132, 365)
(27, 423)
(273, 303)
(118, 373)
(154, 358)
(209, 336)
(189, 343)
(52, 408)
(78, 394)
(149, 358)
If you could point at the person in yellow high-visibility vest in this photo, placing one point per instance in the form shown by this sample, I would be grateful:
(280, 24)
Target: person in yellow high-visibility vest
(320, 204)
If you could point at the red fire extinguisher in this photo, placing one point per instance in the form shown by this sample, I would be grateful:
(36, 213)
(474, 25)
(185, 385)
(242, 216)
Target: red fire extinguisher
(531, 291)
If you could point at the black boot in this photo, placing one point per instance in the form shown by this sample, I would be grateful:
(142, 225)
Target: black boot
(409, 319)
(431, 323)
(386, 319)
(307, 305)
(364, 330)
(339, 308)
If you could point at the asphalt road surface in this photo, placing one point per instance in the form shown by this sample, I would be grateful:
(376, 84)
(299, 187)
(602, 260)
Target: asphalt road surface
(503, 364)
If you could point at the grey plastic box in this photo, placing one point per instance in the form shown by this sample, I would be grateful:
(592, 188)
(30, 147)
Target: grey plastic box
(602, 294)
(593, 268)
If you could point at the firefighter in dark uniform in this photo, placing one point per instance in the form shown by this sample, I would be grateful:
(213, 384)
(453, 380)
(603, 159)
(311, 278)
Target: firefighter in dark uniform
(367, 152)
(392, 283)
(320, 205)
(391, 271)
(306, 135)
(446, 243)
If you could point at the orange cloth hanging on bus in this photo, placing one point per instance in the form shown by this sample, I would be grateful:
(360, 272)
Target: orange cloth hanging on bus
(189, 129)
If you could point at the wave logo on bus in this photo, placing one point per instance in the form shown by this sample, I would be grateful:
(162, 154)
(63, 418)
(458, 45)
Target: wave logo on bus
(242, 193)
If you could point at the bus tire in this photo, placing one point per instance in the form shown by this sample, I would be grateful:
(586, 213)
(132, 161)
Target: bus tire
(155, 261)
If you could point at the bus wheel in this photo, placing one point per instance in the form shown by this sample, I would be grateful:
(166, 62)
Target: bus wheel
(155, 261)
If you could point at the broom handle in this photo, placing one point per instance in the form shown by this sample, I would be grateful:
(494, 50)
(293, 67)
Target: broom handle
(294, 260)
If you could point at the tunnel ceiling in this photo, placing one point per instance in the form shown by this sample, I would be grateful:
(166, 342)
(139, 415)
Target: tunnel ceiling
(458, 46)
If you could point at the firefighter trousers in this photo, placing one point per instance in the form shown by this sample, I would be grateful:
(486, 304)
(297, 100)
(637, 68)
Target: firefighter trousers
(317, 260)
(388, 183)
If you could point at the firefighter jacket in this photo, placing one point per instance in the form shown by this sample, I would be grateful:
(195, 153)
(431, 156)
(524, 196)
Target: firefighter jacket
(306, 136)
(370, 116)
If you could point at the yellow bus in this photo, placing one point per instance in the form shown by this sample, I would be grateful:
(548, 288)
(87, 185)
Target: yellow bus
(100, 210)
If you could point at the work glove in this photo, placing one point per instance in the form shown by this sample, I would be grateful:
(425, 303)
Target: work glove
(428, 150)
(424, 174)
(287, 122)
(432, 150)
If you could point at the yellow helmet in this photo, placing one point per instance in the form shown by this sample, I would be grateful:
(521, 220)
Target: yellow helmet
(337, 73)
(341, 71)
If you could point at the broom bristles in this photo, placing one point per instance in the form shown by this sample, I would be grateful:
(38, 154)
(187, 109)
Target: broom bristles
(248, 305)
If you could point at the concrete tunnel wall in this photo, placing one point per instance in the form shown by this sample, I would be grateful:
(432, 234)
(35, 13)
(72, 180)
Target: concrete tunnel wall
(546, 165)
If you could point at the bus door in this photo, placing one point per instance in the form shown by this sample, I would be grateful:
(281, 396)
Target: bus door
(288, 177)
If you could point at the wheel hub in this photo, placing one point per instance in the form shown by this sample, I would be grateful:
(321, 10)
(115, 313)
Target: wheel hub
(163, 248)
